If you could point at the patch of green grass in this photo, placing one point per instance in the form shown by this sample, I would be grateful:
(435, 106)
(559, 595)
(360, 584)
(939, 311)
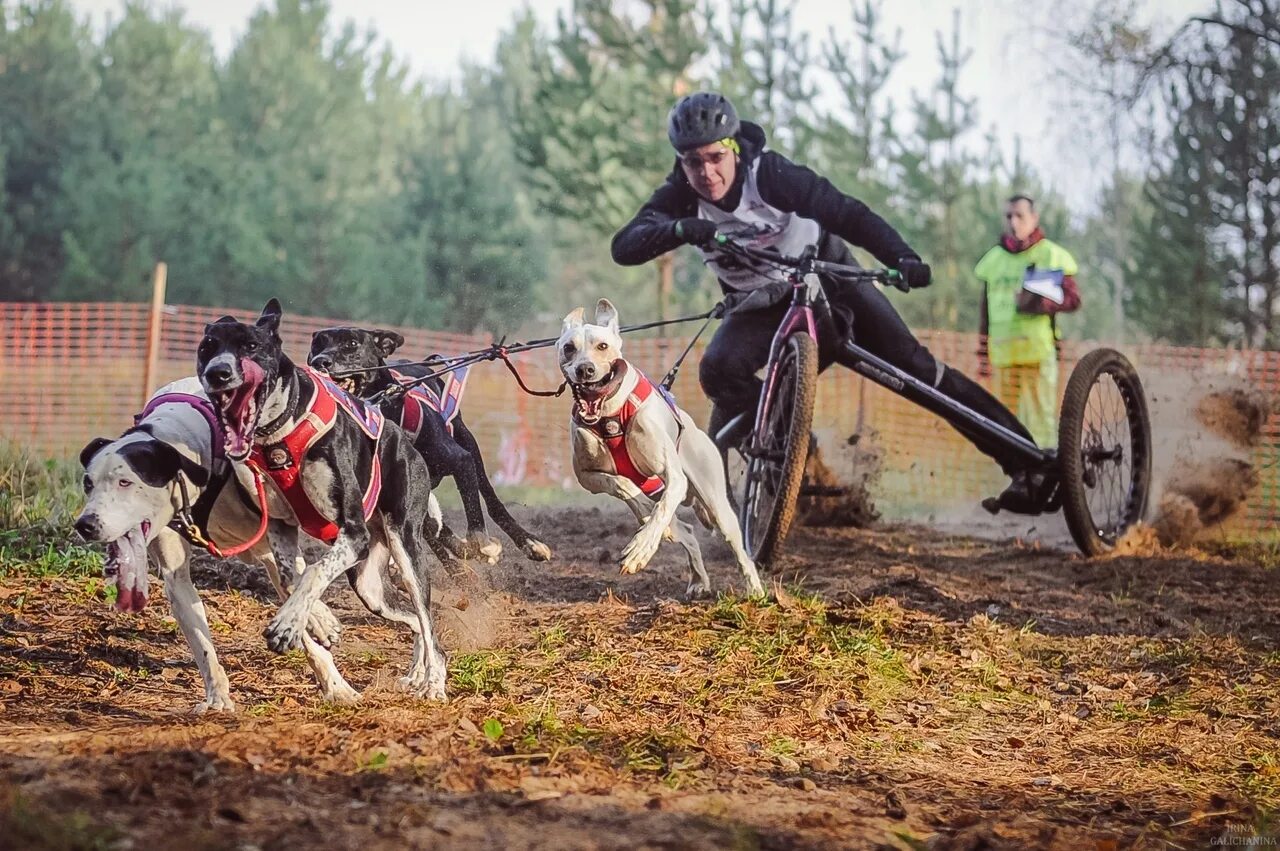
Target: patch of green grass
(782, 746)
(1121, 711)
(38, 499)
(664, 752)
(543, 732)
(375, 760)
(37, 491)
(294, 660)
(480, 673)
(551, 639)
(45, 550)
(761, 646)
(263, 709)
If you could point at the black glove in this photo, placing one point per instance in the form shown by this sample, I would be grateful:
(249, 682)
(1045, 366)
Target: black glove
(695, 231)
(915, 272)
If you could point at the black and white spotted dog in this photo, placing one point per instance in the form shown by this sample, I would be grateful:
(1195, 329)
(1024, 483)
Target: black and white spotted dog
(448, 446)
(357, 485)
(172, 460)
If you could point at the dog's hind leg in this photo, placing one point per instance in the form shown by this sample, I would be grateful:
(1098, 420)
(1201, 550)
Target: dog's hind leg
(699, 581)
(532, 547)
(171, 554)
(429, 680)
(707, 483)
(372, 584)
(445, 457)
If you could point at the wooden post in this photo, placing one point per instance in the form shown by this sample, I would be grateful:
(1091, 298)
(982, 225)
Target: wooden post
(158, 281)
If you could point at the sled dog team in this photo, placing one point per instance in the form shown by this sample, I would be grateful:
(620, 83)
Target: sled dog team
(256, 450)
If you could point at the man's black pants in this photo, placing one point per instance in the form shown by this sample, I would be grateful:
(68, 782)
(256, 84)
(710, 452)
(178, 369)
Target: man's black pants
(740, 348)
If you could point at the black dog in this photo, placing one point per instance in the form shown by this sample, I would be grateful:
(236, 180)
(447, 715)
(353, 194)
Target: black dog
(340, 350)
(340, 474)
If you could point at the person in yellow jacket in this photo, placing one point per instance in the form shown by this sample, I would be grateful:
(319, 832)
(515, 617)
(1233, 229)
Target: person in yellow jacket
(1027, 280)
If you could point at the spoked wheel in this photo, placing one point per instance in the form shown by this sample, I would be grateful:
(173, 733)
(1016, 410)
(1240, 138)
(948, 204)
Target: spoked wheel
(1104, 450)
(776, 455)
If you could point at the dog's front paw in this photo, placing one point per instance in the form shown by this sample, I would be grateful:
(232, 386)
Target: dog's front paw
(641, 548)
(284, 633)
(537, 551)
(341, 693)
(481, 546)
(697, 590)
(324, 626)
(214, 703)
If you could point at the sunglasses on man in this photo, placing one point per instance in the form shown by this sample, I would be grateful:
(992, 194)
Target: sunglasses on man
(695, 161)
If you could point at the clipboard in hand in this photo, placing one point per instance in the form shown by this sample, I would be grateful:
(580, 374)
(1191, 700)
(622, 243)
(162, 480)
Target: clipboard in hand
(1045, 282)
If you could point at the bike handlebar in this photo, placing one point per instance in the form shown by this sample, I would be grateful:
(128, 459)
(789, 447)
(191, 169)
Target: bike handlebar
(809, 263)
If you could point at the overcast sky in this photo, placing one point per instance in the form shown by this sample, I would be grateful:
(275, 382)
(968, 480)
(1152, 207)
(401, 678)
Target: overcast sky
(1007, 74)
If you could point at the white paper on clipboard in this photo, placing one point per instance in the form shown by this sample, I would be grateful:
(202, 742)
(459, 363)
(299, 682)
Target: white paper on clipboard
(1045, 282)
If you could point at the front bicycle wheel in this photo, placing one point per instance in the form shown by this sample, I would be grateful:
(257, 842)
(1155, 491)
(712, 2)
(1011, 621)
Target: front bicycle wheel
(777, 451)
(1104, 450)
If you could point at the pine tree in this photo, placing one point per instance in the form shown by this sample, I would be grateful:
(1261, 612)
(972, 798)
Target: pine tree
(856, 143)
(942, 214)
(47, 87)
(763, 68)
(592, 130)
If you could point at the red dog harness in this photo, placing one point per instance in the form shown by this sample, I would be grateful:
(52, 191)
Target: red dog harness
(613, 430)
(282, 461)
(420, 398)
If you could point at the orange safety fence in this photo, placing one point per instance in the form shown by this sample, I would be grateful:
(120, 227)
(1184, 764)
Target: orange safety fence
(69, 372)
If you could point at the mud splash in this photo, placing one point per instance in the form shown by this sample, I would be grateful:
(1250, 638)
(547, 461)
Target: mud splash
(1201, 494)
(1206, 473)
(467, 610)
(1236, 414)
(855, 506)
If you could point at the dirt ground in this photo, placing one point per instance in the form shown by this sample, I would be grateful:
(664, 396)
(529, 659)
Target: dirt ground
(908, 689)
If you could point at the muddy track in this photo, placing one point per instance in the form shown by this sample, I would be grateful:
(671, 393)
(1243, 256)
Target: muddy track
(933, 689)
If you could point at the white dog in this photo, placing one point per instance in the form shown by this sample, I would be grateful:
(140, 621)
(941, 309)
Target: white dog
(631, 441)
(135, 487)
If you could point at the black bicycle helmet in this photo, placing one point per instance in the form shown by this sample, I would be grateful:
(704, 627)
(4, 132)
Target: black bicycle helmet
(700, 119)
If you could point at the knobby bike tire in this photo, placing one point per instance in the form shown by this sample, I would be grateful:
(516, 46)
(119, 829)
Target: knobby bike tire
(1094, 536)
(798, 366)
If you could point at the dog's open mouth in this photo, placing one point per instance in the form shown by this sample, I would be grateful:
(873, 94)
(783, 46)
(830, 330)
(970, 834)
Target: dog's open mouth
(352, 384)
(238, 409)
(126, 568)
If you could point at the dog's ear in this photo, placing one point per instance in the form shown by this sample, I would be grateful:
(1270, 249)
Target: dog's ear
(221, 320)
(573, 319)
(157, 463)
(270, 318)
(387, 341)
(91, 449)
(607, 314)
